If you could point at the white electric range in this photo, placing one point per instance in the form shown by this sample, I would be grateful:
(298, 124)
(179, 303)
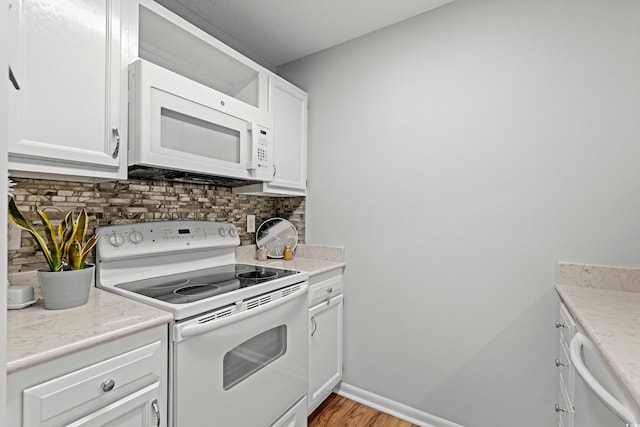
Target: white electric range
(240, 330)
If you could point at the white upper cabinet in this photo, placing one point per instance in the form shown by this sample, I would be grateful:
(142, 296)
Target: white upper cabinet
(289, 109)
(69, 115)
(159, 36)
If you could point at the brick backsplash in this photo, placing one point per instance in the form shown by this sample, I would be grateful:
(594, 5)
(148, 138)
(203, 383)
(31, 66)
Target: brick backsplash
(122, 202)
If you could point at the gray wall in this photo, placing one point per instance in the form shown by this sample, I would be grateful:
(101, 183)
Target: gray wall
(458, 155)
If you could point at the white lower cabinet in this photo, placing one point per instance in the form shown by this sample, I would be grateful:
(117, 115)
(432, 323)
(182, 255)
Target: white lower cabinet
(141, 408)
(325, 339)
(564, 406)
(122, 383)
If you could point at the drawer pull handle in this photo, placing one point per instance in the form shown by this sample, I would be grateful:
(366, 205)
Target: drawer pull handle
(559, 363)
(559, 409)
(560, 325)
(156, 410)
(108, 385)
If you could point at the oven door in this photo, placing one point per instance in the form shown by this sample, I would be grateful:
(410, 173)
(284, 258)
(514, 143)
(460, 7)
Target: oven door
(244, 365)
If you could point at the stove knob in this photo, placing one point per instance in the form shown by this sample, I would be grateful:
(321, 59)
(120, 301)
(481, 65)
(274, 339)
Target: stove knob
(136, 237)
(222, 231)
(116, 239)
(233, 232)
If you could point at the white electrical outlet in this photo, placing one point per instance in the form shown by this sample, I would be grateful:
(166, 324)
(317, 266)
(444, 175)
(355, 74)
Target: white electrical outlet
(14, 236)
(251, 223)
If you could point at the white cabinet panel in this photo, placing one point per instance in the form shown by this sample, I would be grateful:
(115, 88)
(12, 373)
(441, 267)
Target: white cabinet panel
(93, 383)
(140, 409)
(68, 117)
(119, 383)
(325, 349)
(289, 106)
(289, 109)
(161, 37)
(566, 327)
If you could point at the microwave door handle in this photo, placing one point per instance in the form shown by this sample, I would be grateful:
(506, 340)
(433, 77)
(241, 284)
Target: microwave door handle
(602, 393)
(198, 329)
(252, 164)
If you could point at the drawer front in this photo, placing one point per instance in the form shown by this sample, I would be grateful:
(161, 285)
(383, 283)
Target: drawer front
(565, 410)
(96, 384)
(294, 417)
(565, 367)
(325, 290)
(565, 324)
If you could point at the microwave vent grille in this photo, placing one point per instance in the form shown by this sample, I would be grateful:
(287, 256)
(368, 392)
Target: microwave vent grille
(151, 173)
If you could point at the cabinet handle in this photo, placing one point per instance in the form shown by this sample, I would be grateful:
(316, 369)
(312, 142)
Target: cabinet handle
(156, 409)
(116, 135)
(559, 363)
(13, 79)
(274, 170)
(559, 409)
(314, 324)
(108, 385)
(560, 325)
(329, 295)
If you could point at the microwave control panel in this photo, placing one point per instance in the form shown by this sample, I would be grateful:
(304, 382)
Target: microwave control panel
(263, 149)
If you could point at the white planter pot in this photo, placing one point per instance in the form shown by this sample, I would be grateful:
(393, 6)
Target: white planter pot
(66, 289)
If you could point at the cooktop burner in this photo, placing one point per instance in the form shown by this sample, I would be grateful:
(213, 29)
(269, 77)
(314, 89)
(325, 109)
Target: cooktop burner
(192, 286)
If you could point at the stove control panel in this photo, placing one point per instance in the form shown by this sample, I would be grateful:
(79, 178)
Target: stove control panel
(184, 233)
(149, 238)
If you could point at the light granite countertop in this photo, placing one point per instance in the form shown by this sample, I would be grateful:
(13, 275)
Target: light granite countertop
(36, 335)
(314, 259)
(606, 302)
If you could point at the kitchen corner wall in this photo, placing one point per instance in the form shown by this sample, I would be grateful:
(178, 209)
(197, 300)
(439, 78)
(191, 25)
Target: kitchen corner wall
(130, 201)
(457, 156)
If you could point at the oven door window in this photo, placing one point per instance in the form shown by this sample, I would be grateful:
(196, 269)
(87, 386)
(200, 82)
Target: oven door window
(252, 355)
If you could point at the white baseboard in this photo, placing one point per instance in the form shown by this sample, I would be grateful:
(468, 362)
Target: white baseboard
(392, 407)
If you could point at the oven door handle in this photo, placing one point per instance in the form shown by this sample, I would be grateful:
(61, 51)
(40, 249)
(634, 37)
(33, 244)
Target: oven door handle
(193, 329)
(577, 342)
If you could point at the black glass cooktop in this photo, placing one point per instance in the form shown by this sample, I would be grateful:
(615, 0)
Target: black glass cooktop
(192, 286)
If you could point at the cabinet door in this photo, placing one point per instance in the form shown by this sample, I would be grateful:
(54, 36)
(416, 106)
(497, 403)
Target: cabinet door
(67, 117)
(325, 349)
(289, 107)
(140, 409)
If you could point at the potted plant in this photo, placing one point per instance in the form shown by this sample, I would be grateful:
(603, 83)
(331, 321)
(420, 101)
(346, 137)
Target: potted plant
(68, 281)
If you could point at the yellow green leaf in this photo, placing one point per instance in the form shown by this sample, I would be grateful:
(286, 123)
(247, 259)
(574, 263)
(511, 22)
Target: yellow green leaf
(16, 217)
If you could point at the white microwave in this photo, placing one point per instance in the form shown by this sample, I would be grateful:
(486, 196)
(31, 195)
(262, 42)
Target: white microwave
(179, 128)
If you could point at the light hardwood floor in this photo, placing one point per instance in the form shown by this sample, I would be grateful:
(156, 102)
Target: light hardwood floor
(338, 411)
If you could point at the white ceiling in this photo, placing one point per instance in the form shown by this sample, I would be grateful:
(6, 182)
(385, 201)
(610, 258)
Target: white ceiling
(280, 31)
